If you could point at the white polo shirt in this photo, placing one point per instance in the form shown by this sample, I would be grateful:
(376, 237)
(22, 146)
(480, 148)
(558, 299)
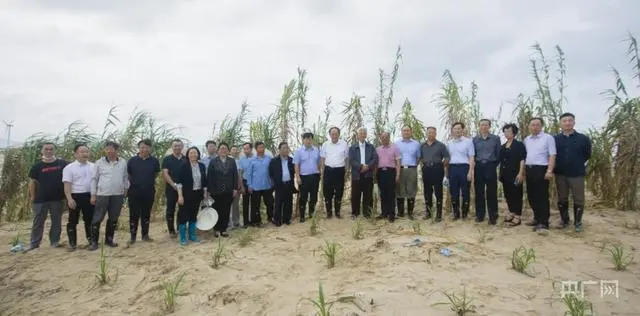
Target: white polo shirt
(79, 175)
(334, 154)
(460, 150)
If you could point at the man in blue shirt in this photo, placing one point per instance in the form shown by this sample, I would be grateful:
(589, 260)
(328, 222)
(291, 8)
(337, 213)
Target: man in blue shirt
(212, 151)
(307, 165)
(573, 150)
(243, 165)
(281, 171)
(460, 169)
(260, 186)
(408, 186)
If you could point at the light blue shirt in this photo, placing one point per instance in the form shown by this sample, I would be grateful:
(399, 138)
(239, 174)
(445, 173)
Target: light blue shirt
(258, 174)
(539, 148)
(307, 159)
(243, 166)
(285, 170)
(409, 152)
(461, 150)
(206, 160)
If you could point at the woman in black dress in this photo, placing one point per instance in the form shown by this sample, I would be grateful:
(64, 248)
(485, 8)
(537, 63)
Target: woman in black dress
(191, 190)
(223, 184)
(512, 157)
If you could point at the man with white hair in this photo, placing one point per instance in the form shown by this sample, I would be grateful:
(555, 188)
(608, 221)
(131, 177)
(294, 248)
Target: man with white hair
(362, 158)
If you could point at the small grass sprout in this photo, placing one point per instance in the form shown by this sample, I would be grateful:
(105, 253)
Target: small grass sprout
(171, 292)
(330, 253)
(522, 258)
(620, 257)
(461, 305)
(576, 306)
(357, 230)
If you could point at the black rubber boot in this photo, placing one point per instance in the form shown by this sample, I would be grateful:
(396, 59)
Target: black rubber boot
(73, 236)
(302, 213)
(95, 236)
(411, 203)
(400, 203)
(578, 210)
(455, 206)
(563, 207)
(110, 232)
(337, 204)
(465, 209)
(327, 206)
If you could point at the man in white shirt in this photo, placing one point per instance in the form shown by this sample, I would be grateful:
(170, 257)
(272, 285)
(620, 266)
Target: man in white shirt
(460, 169)
(109, 186)
(334, 155)
(540, 161)
(76, 177)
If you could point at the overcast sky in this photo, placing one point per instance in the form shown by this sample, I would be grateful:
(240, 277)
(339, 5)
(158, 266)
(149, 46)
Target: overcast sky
(192, 62)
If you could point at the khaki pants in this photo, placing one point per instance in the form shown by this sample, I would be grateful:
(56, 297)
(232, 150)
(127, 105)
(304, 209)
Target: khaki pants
(573, 184)
(408, 186)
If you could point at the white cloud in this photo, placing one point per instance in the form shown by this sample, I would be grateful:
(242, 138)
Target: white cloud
(192, 62)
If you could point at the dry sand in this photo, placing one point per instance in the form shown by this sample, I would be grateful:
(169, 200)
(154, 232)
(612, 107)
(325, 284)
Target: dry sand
(276, 273)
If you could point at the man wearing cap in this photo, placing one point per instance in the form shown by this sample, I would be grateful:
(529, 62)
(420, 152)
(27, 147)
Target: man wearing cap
(388, 175)
(408, 185)
(334, 156)
(307, 167)
(362, 158)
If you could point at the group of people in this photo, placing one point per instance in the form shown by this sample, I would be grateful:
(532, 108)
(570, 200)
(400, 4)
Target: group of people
(98, 190)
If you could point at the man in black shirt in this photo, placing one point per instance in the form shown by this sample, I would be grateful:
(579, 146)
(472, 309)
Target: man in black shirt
(46, 191)
(573, 151)
(434, 156)
(143, 169)
(171, 165)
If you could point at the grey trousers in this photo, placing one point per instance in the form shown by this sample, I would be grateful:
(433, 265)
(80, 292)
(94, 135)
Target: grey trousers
(107, 205)
(40, 211)
(573, 184)
(235, 212)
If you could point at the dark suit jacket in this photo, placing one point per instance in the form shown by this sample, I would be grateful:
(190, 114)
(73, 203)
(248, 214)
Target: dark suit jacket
(275, 172)
(186, 178)
(370, 158)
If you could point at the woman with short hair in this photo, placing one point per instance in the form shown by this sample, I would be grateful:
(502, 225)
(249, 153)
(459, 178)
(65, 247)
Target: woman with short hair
(192, 189)
(224, 184)
(512, 157)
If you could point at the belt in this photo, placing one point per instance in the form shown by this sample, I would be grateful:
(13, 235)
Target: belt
(458, 164)
(329, 167)
(485, 161)
(432, 164)
(387, 169)
(286, 182)
(408, 167)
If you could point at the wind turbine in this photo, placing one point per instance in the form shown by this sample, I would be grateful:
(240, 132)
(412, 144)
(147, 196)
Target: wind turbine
(8, 126)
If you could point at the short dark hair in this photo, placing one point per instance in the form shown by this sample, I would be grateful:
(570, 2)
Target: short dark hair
(247, 143)
(282, 144)
(407, 126)
(432, 127)
(307, 135)
(111, 143)
(145, 141)
(176, 140)
(223, 144)
(186, 156)
(336, 128)
(48, 143)
(210, 142)
(485, 120)
(537, 118)
(458, 123)
(258, 143)
(77, 146)
(513, 127)
(567, 114)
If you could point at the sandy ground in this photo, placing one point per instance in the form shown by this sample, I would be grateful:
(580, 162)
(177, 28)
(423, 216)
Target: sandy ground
(282, 267)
